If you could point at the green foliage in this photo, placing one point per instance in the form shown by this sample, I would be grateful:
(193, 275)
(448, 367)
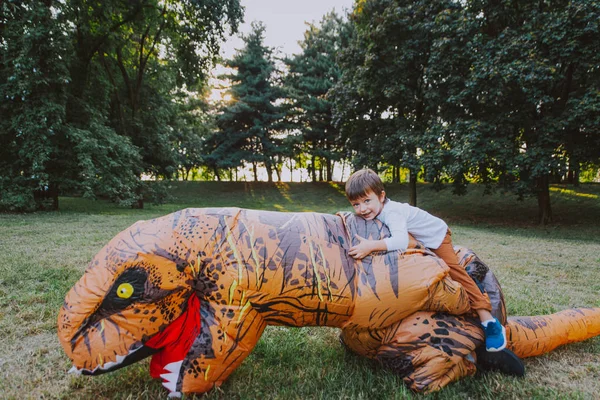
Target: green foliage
(388, 82)
(95, 94)
(590, 173)
(247, 125)
(530, 94)
(16, 196)
(499, 93)
(192, 123)
(311, 75)
(355, 112)
(32, 80)
(156, 193)
(151, 55)
(106, 164)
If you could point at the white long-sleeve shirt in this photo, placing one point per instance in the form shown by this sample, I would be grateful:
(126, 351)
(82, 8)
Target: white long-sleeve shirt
(402, 219)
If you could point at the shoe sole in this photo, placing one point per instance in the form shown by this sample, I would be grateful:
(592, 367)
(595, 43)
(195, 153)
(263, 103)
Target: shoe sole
(504, 361)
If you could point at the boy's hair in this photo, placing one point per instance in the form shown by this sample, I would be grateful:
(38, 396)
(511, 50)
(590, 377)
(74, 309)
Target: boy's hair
(363, 182)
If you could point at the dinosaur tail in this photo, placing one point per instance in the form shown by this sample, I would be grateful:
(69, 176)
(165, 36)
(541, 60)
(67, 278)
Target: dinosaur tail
(532, 336)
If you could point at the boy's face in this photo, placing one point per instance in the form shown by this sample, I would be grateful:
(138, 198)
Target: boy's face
(369, 206)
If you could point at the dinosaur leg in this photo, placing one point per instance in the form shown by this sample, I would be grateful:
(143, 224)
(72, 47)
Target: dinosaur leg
(447, 296)
(362, 341)
(532, 336)
(430, 350)
(229, 333)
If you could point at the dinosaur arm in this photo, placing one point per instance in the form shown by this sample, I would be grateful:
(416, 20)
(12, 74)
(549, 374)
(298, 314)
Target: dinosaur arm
(429, 350)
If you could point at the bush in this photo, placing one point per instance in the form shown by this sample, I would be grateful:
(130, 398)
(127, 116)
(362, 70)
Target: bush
(156, 192)
(15, 197)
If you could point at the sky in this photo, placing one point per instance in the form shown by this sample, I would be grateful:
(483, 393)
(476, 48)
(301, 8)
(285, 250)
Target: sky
(284, 21)
(284, 26)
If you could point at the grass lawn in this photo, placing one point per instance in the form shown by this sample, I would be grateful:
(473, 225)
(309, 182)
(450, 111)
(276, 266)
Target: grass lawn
(542, 269)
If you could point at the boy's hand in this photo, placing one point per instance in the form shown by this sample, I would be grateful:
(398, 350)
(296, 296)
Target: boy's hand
(362, 249)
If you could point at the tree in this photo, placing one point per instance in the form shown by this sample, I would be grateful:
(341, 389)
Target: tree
(143, 76)
(398, 39)
(311, 75)
(191, 124)
(485, 91)
(248, 123)
(99, 86)
(32, 89)
(531, 97)
(355, 111)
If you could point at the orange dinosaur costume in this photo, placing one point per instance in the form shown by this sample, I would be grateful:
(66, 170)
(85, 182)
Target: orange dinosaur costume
(195, 289)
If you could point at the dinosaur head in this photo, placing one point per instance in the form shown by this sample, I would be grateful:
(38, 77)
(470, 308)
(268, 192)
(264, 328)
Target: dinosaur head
(133, 292)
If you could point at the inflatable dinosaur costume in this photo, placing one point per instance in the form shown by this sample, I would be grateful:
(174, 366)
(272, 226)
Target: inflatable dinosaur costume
(195, 289)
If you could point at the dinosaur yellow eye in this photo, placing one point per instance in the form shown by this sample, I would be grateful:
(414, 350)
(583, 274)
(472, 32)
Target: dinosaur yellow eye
(125, 290)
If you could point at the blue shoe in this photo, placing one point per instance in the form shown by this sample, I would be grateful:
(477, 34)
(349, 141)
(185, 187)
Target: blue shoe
(495, 336)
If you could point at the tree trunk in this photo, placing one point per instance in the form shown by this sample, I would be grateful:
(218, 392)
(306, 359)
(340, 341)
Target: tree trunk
(86, 47)
(329, 166)
(116, 96)
(313, 168)
(75, 111)
(543, 197)
(570, 176)
(216, 172)
(412, 187)
(395, 174)
(573, 174)
(255, 171)
(139, 204)
(269, 168)
(321, 172)
(53, 191)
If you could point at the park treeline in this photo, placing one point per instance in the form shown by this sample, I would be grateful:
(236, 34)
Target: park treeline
(95, 96)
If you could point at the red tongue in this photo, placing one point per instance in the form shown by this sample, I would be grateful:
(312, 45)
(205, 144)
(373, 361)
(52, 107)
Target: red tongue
(176, 340)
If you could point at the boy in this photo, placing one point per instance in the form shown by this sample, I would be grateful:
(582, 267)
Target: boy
(365, 191)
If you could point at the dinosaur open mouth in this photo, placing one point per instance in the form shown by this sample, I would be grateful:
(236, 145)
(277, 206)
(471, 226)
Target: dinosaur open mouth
(168, 349)
(138, 353)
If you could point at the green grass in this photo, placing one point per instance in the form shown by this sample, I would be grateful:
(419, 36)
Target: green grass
(542, 269)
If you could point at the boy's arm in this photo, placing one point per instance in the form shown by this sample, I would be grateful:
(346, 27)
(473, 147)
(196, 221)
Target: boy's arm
(398, 240)
(366, 247)
(397, 225)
